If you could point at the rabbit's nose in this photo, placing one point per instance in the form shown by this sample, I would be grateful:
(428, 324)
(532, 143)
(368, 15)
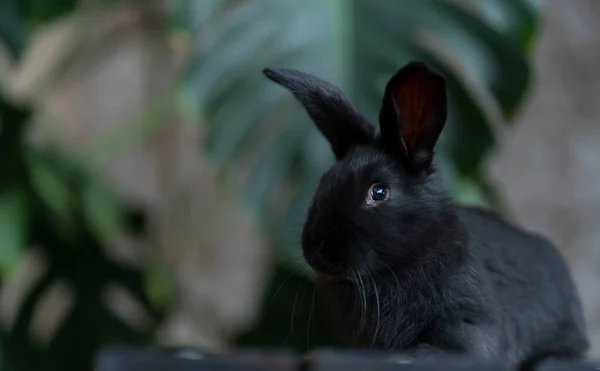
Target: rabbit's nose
(332, 247)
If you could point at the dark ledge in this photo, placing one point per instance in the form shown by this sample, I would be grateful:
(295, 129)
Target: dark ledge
(190, 359)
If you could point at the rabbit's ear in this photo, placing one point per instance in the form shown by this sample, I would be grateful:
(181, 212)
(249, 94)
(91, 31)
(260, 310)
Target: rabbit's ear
(333, 113)
(413, 113)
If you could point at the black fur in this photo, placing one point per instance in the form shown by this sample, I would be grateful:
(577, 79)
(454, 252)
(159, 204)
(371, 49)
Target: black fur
(418, 269)
(337, 119)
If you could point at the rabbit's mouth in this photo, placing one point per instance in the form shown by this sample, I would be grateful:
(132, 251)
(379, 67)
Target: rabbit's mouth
(325, 270)
(328, 277)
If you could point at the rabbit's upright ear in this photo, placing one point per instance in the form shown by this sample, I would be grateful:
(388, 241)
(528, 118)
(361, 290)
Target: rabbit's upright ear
(413, 114)
(333, 113)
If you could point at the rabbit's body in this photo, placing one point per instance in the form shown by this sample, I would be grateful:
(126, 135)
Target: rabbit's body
(530, 288)
(481, 292)
(402, 264)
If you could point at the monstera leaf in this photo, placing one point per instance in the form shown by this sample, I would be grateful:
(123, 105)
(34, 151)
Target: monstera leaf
(357, 45)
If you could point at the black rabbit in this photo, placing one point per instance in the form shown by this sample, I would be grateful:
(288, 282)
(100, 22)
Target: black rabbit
(405, 266)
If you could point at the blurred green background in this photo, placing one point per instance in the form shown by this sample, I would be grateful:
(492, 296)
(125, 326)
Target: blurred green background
(64, 214)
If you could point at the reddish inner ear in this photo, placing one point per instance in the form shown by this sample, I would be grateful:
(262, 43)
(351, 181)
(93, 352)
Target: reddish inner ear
(415, 97)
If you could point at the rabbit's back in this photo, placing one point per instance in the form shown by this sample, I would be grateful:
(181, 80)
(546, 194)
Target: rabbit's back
(540, 307)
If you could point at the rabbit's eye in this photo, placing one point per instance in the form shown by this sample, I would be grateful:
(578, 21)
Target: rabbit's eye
(378, 192)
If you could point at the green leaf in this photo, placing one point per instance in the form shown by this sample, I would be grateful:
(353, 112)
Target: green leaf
(12, 31)
(39, 11)
(14, 227)
(17, 17)
(102, 211)
(77, 259)
(470, 193)
(51, 186)
(357, 45)
(515, 19)
(157, 283)
(89, 324)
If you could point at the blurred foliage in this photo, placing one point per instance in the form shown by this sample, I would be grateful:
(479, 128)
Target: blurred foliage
(51, 200)
(17, 17)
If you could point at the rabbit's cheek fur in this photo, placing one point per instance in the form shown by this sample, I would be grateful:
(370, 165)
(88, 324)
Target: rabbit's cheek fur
(348, 237)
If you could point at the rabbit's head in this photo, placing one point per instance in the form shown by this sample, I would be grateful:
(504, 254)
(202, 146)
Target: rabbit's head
(381, 205)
